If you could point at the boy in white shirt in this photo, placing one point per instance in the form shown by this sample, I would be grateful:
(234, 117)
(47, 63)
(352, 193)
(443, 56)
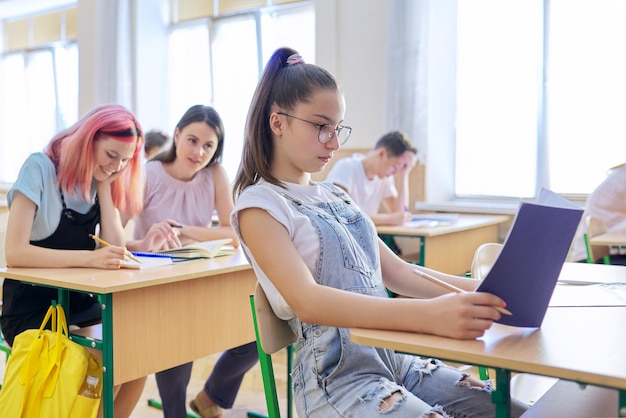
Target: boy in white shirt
(371, 179)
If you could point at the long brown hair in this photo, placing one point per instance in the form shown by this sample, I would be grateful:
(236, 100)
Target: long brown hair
(285, 82)
(198, 113)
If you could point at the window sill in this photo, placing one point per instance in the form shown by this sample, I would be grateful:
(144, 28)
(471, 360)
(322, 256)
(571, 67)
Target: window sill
(491, 207)
(486, 207)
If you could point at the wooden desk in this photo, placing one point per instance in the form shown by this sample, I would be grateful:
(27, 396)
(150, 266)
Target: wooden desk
(160, 317)
(450, 248)
(571, 344)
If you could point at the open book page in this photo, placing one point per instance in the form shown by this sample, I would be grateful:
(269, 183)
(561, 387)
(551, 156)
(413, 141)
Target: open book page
(527, 269)
(146, 262)
(206, 249)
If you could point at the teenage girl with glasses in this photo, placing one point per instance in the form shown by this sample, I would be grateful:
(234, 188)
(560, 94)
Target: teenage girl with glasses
(323, 268)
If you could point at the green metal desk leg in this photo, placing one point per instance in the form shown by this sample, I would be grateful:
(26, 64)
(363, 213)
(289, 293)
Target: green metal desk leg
(388, 240)
(64, 300)
(622, 403)
(107, 354)
(422, 251)
(289, 391)
(501, 397)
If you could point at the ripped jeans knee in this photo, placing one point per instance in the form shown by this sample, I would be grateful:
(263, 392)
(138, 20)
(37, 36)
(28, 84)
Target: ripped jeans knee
(393, 400)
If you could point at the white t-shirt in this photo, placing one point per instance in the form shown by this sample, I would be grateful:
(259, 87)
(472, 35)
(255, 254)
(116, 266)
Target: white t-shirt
(263, 195)
(349, 174)
(608, 203)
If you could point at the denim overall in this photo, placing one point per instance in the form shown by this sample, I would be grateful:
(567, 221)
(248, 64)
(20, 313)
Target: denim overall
(333, 377)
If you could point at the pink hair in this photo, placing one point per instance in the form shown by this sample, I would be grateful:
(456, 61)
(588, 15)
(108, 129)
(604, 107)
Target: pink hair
(72, 151)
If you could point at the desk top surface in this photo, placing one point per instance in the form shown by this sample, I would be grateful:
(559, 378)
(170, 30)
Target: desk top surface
(579, 344)
(609, 238)
(464, 222)
(108, 281)
(582, 338)
(583, 284)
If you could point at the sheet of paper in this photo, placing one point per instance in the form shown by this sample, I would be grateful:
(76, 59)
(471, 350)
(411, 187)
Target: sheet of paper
(427, 220)
(588, 274)
(527, 269)
(589, 295)
(146, 262)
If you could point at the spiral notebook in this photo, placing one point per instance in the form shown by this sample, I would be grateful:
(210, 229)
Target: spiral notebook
(528, 267)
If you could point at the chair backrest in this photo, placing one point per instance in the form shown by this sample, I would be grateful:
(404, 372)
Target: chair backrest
(484, 257)
(274, 333)
(595, 226)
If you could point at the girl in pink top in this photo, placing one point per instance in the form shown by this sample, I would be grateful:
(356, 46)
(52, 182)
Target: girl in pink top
(185, 186)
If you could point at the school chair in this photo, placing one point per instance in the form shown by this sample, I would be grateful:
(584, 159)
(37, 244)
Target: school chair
(484, 257)
(272, 335)
(525, 387)
(596, 226)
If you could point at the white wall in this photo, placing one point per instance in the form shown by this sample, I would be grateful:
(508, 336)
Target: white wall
(350, 42)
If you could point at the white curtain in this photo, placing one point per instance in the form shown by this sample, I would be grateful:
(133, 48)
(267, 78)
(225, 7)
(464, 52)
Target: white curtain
(406, 97)
(106, 50)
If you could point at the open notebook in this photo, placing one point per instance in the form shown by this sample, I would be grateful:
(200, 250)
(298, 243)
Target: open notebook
(528, 267)
(206, 249)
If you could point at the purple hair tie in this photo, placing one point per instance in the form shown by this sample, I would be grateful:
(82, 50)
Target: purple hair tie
(295, 59)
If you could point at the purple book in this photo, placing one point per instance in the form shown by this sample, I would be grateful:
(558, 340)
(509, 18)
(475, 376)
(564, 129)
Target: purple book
(528, 267)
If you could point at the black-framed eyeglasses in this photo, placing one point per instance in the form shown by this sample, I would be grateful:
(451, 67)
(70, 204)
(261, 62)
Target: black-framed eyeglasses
(326, 131)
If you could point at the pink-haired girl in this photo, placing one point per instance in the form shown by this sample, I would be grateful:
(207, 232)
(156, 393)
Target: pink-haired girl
(87, 174)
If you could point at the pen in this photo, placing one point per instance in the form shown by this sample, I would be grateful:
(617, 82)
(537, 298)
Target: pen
(156, 255)
(106, 244)
(176, 226)
(454, 288)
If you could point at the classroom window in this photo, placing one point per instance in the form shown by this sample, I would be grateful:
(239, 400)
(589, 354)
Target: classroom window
(38, 80)
(39, 97)
(229, 53)
(540, 95)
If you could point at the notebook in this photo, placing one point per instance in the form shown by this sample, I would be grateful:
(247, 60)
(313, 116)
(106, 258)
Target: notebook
(145, 262)
(526, 271)
(206, 249)
(431, 219)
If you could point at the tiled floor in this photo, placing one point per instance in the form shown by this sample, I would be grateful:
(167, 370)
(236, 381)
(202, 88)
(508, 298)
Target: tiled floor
(250, 397)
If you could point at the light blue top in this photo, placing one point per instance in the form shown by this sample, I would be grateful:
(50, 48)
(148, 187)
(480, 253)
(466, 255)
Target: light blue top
(37, 181)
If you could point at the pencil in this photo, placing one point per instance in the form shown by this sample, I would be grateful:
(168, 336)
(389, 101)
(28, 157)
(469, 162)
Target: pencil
(454, 288)
(106, 244)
